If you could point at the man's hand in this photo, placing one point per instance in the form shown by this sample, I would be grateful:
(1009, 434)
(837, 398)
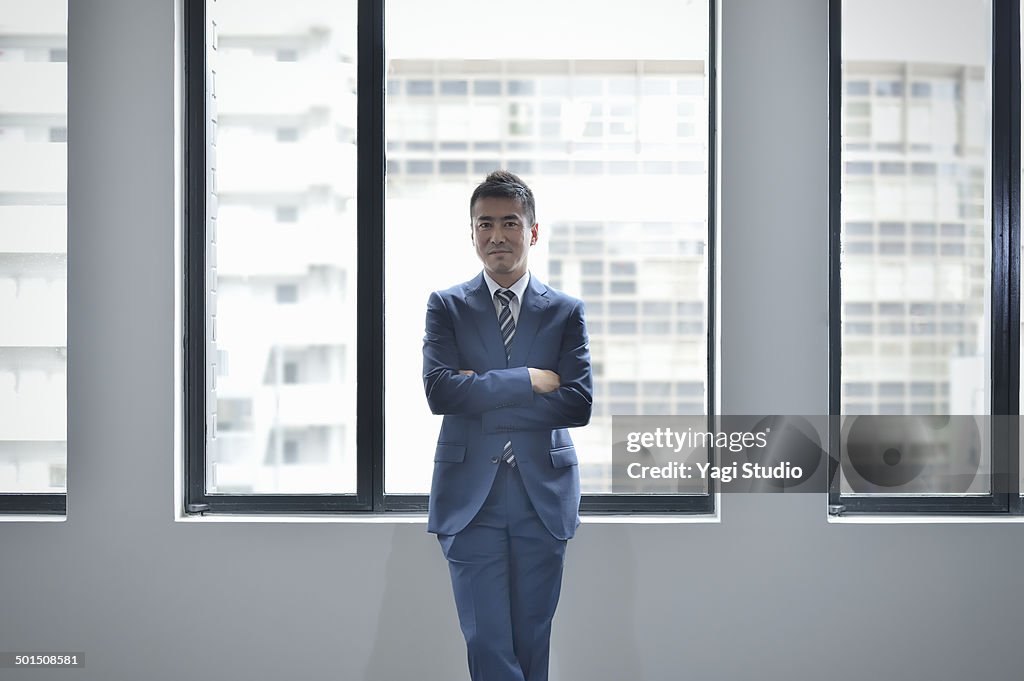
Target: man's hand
(466, 372)
(544, 381)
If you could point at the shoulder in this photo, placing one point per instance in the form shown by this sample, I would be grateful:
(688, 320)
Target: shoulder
(561, 300)
(458, 291)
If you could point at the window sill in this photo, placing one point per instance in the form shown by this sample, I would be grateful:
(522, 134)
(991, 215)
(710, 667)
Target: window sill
(421, 518)
(17, 518)
(923, 520)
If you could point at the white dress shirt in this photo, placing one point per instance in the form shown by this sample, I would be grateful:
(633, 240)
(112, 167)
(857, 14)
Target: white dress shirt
(519, 288)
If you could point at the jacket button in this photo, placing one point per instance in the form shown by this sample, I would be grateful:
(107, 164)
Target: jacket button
(494, 459)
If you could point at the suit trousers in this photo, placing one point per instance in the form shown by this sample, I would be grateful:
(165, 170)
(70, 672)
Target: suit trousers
(506, 571)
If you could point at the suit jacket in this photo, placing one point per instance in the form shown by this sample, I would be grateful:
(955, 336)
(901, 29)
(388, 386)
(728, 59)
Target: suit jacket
(497, 403)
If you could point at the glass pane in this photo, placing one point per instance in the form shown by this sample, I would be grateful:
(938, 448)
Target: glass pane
(285, 314)
(33, 246)
(916, 224)
(609, 128)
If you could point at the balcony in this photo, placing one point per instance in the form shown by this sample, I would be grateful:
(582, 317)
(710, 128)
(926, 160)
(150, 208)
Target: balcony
(33, 405)
(256, 324)
(289, 89)
(267, 167)
(33, 89)
(33, 229)
(34, 311)
(262, 249)
(35, 168)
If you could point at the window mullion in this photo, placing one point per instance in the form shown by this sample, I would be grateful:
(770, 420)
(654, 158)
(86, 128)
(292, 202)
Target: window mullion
(370, 254)
(1006, 245)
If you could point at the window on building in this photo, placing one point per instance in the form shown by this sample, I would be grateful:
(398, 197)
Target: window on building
(291, 372)
(285, 54)
(287, 213)
(33, 258)
(566, 125)
(287, 134)
(286, 293)
(922, 284)
(291, 452)
(272, 287)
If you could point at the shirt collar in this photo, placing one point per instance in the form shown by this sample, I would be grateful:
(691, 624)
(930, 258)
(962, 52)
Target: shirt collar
(519, 288)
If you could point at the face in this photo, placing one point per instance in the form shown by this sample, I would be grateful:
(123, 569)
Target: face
(502, 238)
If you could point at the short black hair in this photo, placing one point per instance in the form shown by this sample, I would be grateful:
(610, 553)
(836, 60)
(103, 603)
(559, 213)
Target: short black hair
(506, 185)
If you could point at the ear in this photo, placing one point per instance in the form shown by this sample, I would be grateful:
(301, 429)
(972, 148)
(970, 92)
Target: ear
(534, 232)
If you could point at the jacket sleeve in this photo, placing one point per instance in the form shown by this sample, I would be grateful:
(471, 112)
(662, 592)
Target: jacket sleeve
(448, 391)
(568, 406)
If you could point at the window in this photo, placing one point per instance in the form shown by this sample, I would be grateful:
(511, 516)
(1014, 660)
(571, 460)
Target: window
(286, 293)
(291, 451)
(566, 125)
(288, 134)
(33, 259)
(454, 87)
(552, 119)
(291, 372)
(921, 148)
(272, 220)
(286, 54)
(286, 213)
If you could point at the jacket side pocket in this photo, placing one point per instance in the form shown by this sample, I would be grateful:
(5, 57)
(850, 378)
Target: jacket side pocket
(563, 456)
(450, 452)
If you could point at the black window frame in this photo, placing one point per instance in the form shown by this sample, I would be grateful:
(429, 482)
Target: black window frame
(370, 192)
(1004, 497)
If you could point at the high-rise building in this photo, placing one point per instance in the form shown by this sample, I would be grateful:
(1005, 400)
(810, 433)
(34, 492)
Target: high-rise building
(283, 256)
(915, 239)
(616, 152)
(33, 246)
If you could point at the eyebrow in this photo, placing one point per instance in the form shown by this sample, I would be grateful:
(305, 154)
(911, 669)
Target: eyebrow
(489, 218)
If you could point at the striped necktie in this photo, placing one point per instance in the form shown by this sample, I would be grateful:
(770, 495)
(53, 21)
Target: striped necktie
(507, 324)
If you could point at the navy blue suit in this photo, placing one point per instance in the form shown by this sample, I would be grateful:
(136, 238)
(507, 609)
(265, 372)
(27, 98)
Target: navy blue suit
(503, 529)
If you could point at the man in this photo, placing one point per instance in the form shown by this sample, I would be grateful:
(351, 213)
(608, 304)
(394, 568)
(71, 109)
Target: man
(507, 361)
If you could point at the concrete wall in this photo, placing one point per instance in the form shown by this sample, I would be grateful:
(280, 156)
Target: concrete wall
(772, 592)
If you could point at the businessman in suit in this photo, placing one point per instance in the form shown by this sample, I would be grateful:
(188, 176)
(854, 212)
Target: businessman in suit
(506, 359)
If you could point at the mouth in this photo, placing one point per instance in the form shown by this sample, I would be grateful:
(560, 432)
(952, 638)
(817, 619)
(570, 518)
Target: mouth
(497, 252)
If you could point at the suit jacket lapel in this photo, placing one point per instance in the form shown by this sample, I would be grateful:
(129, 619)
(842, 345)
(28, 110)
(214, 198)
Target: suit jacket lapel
(535, 301)
(479, 300)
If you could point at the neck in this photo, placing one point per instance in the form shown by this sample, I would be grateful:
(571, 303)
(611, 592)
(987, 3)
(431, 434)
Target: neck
(506, 280)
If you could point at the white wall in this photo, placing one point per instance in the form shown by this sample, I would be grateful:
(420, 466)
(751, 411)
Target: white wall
(773, 592)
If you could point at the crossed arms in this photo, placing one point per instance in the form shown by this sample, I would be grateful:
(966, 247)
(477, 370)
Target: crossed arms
(516, 398)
